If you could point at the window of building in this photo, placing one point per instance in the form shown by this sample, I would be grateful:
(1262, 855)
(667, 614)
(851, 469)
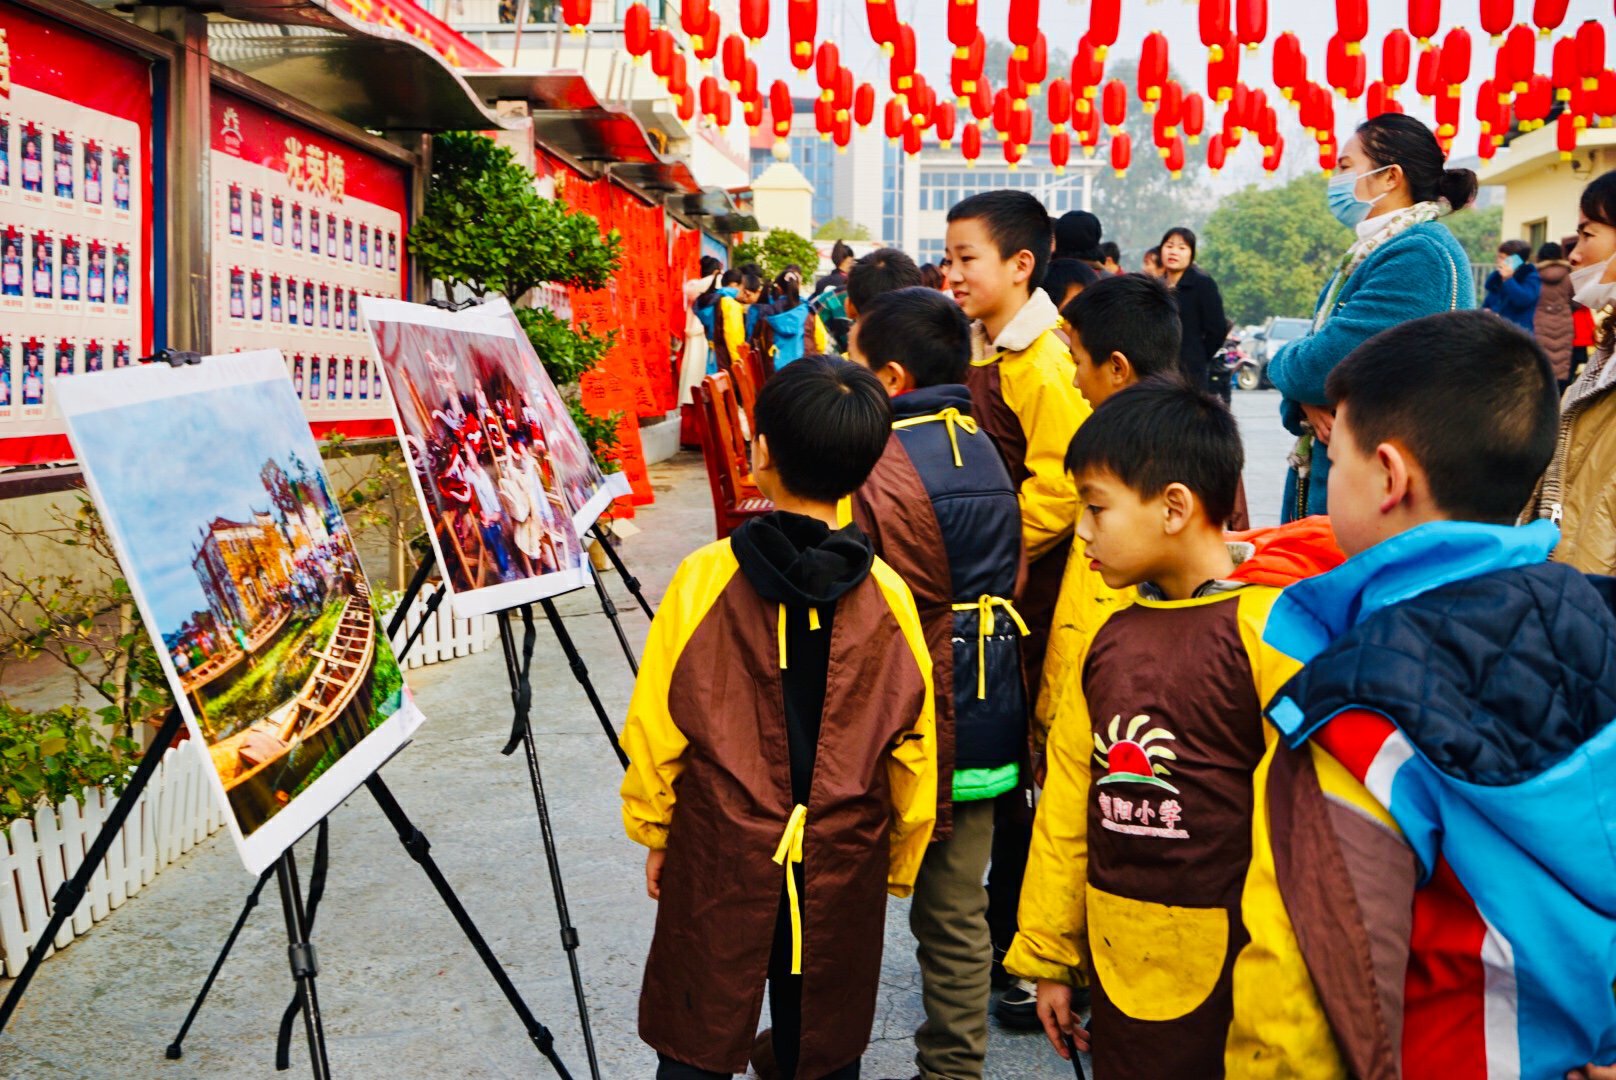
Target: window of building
(892, 195)
(1537, 233)
(931, 250)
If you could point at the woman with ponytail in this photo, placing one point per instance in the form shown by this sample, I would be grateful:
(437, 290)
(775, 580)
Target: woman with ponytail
(1578, 491)
(1391, 187)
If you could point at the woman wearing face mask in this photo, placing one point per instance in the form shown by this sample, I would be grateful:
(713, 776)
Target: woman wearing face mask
(1578, 490)
(1391, 189)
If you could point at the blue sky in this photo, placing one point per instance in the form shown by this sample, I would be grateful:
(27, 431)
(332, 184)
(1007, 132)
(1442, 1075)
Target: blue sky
(168, 467)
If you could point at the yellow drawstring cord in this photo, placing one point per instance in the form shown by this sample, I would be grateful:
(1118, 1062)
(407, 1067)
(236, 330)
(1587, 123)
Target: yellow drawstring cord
(985, 607)
(949, 416)
(789, 854)
(780, 630)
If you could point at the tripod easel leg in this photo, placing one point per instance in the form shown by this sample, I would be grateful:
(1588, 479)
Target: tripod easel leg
(630, 582)
(517, 667)
(300, 953)
(176, 1048)
(575, 661)
(608, 606)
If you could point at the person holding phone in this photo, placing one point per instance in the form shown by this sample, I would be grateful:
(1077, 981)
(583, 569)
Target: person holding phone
(1512, 289)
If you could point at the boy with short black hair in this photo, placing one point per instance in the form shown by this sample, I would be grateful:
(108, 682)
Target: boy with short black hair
(1143, 839)
(941, 509)
(881, 271)
(1458, 699)
(783, 715)
(998, 246)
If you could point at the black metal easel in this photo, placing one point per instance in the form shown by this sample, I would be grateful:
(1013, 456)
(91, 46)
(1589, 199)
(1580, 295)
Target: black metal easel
(418, 847)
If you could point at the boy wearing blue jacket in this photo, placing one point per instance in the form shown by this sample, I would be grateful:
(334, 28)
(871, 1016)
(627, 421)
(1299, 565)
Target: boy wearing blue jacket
(1440, 805)
(941, 508)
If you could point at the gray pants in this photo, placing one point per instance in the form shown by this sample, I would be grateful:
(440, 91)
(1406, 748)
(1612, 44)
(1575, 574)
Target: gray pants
(949, 917)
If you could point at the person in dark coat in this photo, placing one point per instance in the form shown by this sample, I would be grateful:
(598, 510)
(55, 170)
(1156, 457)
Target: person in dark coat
(1077, 236)
(1552, 323)
(1513, 288)
(1200, 306)
(841, 261)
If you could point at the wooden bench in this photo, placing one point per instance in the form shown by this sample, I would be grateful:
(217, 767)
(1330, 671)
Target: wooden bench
(735, 495)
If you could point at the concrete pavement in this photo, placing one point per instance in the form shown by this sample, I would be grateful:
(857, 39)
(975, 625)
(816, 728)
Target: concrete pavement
(402, 993)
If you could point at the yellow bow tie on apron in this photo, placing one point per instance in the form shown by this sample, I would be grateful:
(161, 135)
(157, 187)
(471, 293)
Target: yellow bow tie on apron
(949, 416)
(789, 854)
(985, 624)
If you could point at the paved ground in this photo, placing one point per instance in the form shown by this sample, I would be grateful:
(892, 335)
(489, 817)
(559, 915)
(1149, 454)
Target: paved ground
(403, 995)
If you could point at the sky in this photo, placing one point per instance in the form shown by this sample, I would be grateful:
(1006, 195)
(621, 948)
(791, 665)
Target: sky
(169, 466)
(1064, 22)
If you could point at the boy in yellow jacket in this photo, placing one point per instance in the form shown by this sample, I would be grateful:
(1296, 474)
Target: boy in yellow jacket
(1020, 378)
(782, 753)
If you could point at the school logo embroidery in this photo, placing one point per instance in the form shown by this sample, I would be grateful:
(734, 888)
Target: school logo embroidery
(1136, 757)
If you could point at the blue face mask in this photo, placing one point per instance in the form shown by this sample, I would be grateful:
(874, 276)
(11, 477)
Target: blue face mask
(1342, 196)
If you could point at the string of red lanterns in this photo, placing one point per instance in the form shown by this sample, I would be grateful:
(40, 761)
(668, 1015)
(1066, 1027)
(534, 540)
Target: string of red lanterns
(1577, 91)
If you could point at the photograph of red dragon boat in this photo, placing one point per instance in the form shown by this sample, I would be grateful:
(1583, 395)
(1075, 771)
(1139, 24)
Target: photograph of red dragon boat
(226, 525)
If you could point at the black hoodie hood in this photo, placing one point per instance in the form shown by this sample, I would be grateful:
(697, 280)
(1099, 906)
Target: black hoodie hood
(799, 561)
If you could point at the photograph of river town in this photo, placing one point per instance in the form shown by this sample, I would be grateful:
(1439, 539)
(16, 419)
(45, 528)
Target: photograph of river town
(238, 546)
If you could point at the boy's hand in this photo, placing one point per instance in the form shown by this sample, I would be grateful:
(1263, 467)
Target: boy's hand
(653, 873)
(1593, 1072)
(1323, 418)
(1055, 1011)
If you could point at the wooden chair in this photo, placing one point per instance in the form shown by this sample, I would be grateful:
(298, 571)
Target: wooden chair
(725, 473)
(743, 392)
(738, 459)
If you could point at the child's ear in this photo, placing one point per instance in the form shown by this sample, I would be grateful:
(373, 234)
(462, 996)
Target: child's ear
(894, 378)
(1402, 476)
(1023, 263)
(761, 461)
(1120, 368)
(1179, 506)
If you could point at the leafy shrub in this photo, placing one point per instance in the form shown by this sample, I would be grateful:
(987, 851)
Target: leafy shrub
(777, 250)
(47, 758)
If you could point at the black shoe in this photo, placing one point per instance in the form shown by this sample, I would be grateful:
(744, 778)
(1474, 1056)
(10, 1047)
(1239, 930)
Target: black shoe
(1018, 1008)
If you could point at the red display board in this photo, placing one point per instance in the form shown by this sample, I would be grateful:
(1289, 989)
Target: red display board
(303, 225)
(76, 267)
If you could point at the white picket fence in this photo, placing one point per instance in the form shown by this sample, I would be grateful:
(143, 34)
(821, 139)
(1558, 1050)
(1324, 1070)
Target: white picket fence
(177, 811)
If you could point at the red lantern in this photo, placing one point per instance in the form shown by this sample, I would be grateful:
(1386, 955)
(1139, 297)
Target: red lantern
(749, 81)
(1251, 22)
(1216, 153)
(962, 28)
(637, 30)
(752, 112)
(1272, 155)
(1214, 26)
(1428, 75)
(1327, 158)
(1086, 123)
(1266, 125)
(1517, 57)
(1222, 76)
(1447, 115)
(1345, 70)
(705, 44)
(1023, 26)
(1565, 135)
(1496, 15)
(733, 60)
(970, 144)
(1239, 109)
(1059, 104)
(693, 15)
(1317, 109)
(982, 99)
(1532, 107)
(1193, 120)
(1290, 64)
(1152, 68)
(709, 96)
(1087, 68)
(678, 76)
(576, 14)
(802, 23)
(754, 19)
(1424, 19)
(913, 141)
(1021, 127)
(824, 118)
(1060, 150)
(922, 102)
(901, 67)
(686, 105)
(1566, 73)
(1013, 152)
(1352, 22)
(842, 135)
(662, 49)
(1456, 57)
(945, 119)
(1035, 68)
(1001, 113)
(1121, 152)
(894, 119)
(1590, 52)
(964, 71)
(780, 108)
(1549, 14)
(1232, 132)
(883, 16)
(864, 105)
(1173, 158)
(1394, 58)
(1114, 105)
(1105, 16)
(842, 95)
(827, 63)
(1381, 99)
(1605, 96)
(1492, 113)
(725, 112)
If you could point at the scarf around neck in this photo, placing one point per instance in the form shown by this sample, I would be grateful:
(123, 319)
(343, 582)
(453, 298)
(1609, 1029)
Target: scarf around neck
(1400, 220)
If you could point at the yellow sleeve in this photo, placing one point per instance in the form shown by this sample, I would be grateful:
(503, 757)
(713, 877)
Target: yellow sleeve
(654, 744)
(732, 315)
(1053, 917)
(1083, 604)
(821, 342)
(912, 762)
(1038, 389)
